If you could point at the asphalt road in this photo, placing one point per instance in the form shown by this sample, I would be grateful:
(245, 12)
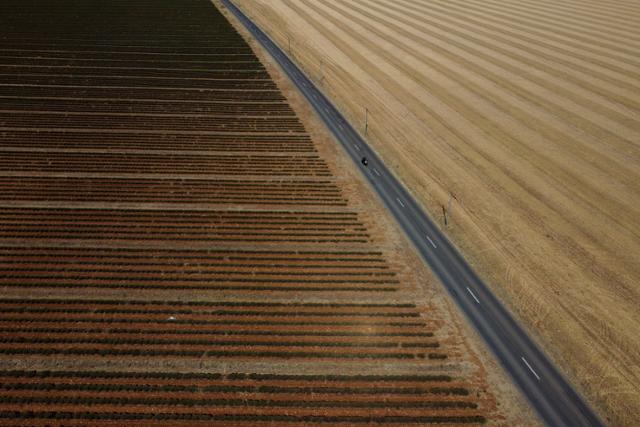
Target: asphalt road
(549, 392)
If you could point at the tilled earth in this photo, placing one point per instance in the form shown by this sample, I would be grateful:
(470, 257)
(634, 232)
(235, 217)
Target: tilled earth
(176, 249)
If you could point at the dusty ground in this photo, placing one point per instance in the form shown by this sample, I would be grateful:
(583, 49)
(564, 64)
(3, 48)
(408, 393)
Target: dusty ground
(522, 120)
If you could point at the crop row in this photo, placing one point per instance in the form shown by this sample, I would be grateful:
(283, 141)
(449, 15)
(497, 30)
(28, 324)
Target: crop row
(142, 92)
(111, 56)
(294, 314)
(321, 187)
(184, 191)
(257, 231)
(179, 219)
(175, 122)
(248, 84)
(150, 341)
(344, 323)
(157, 141)
(221, 402)
(370, 380)
(247, 419)
(245, 198)
(344, 393)
(196, 273)
(50, 195)
(284, 316)
(181, 324)
(193, 271)
(228, 326)
(221, 226)
(291, 311)
(109, 350)
(10, 46)
(28, 302)
(215, 164)
(34, 327)
(140, 63)
(250, 286)
(198, 41)
(178, 215)
(159, 280)
(146, 107)
(122, 256)
(138, 72)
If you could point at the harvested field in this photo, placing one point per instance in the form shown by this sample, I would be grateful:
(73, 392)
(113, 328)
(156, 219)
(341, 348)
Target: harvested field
(521, 120)
(181, 243)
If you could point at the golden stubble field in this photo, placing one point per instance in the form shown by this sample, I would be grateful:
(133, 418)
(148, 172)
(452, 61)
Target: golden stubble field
(521, 119)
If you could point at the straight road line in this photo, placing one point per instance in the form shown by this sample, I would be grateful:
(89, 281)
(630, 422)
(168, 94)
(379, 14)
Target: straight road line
(530, 368)
(555, 400)
(473, 295)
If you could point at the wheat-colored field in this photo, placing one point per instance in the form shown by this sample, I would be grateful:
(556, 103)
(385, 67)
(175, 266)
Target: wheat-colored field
(521, 120)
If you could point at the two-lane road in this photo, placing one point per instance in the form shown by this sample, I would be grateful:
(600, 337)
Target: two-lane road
(548, 391)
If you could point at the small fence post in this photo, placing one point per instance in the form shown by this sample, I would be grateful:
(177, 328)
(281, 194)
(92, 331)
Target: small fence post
(366, 120)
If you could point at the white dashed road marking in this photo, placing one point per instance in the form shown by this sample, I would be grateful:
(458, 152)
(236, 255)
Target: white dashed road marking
(473, 295)
(530, 368)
